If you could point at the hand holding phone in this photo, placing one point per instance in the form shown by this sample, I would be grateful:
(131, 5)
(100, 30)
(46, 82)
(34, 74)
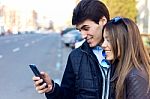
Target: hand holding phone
(37, 73)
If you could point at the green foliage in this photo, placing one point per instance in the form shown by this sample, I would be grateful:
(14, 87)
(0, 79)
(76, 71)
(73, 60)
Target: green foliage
(124, 8)
(146, 41)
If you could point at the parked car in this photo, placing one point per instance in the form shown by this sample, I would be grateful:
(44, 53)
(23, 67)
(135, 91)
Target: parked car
(2, 30)
(67, 30)
(71, 37)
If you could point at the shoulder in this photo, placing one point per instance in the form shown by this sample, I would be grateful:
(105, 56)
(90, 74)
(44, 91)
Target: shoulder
(137, 78)
(80, 50)
(75, 52)
(137, 84)
(75, 56)
(137, 73)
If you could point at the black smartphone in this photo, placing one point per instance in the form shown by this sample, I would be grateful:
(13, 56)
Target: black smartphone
(36, 72)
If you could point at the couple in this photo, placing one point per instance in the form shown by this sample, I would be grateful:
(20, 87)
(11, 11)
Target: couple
(111, 64)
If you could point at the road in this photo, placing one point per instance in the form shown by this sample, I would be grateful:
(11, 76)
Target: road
(18, 51)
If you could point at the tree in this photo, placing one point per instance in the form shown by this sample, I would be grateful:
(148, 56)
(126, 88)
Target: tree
(124, 8)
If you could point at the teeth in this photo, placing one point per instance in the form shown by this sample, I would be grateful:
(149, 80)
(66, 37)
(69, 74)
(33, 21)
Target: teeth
(107, 51)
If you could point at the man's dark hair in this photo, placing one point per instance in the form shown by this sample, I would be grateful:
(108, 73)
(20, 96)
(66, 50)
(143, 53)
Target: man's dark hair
(89, 9)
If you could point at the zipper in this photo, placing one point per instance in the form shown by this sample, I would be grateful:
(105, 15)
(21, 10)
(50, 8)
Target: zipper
(94, 67)
(106, 82)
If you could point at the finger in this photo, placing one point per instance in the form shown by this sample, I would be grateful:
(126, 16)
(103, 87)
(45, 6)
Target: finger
(38, 82)
(34, 78)
(43, 73)
(42, 91)
(45, 89)
(42, 87)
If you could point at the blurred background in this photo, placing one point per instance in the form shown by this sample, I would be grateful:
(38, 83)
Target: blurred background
(32, 15)
(40, 32)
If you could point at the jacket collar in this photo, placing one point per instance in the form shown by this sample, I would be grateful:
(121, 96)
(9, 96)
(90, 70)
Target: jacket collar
(86, 48)
(114, 74)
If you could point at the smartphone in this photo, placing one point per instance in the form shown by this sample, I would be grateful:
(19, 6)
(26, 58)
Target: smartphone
(36, 72)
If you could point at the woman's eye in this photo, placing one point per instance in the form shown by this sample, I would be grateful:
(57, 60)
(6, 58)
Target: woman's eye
(108, 40)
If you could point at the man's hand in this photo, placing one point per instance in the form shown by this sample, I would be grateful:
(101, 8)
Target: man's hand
(42, 88)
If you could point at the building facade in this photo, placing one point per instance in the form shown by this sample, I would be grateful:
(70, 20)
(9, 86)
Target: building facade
(143, 18)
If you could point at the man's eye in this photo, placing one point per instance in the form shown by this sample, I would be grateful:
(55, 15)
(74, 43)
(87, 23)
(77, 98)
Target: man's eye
(86, 29)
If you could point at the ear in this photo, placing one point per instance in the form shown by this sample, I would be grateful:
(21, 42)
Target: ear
(103, 20)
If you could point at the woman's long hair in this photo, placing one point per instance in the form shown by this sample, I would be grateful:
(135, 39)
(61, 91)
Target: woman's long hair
(125, 37)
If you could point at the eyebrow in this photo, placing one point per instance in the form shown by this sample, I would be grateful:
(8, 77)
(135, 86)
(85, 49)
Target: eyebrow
(107, 36)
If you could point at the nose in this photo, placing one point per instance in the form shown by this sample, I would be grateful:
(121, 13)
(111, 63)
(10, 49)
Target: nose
(104, 44)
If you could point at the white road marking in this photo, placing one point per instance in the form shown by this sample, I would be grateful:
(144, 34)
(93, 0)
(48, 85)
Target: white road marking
(59, 55)
(16, 49)
(1, 56)
(33, 42)
(58, 66)
(26, 45)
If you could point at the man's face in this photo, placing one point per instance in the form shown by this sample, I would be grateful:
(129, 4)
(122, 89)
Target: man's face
(91, 31)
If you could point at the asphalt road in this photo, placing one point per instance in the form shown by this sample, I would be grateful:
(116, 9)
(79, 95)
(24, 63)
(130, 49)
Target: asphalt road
(18, 51)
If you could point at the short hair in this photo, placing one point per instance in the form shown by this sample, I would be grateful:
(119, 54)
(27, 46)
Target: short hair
(89, 9)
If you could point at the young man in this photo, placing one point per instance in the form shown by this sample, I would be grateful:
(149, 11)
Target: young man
(84, 76)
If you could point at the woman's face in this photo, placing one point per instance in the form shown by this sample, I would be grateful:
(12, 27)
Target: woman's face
(106, 45)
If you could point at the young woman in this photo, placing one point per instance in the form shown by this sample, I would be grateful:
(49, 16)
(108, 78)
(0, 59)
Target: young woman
(124, 49)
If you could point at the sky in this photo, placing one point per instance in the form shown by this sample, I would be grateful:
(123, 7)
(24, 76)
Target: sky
(58, 10)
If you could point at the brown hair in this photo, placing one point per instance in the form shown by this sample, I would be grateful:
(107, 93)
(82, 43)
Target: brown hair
(125, 36)
(89, 9)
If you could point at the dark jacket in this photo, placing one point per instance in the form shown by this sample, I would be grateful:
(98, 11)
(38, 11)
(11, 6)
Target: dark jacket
(136, 85)
(82, 78)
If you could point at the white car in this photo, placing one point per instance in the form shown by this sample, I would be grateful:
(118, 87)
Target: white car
(71, 37)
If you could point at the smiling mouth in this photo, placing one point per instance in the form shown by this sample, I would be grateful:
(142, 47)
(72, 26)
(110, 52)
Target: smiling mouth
(107, 52)
(89, 38)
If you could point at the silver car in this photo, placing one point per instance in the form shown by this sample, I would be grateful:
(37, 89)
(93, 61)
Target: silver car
(71, 37)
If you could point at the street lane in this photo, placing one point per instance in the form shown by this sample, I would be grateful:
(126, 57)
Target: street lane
(17, 52)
